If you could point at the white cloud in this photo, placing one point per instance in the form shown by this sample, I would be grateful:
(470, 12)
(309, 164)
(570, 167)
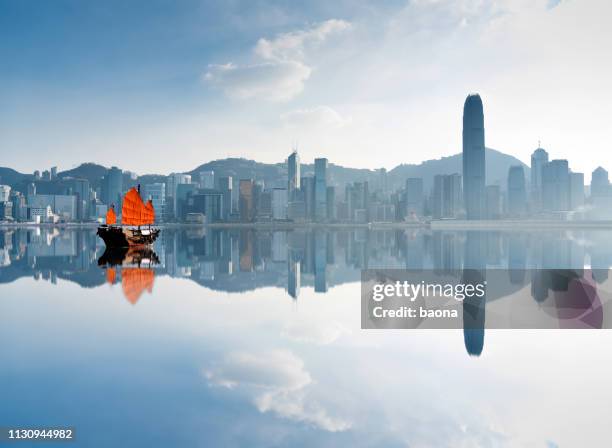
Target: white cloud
(281, 72)
(314, 331)
(292, 45)
(320, 116)
(277, 383)
(273, 81)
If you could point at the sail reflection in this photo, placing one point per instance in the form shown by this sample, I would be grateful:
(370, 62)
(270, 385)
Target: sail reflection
(134, 266)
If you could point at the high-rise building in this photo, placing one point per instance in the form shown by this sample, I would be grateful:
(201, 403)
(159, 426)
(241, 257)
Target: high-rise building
(446, 195)
(321, 189)
(473, 157)
(279, 203)
(246, 202)
(53, 172)
(414, 197)
(224, 184)
(331, 203)
(5, 193)
(293, 174)
(539, 158)
(112, 187)
(517, 190)
(81, 189)
(576, 190)
(172, 184)
(307, 185)
(156, 192)
(600, 183)
(556, 186)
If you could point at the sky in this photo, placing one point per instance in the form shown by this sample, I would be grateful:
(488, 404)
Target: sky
(161, 86)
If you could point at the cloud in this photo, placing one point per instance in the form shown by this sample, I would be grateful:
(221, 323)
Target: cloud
(313, 331)
(320, 116)
(281, 70)
(292, 45)
(273, 81)
(277, 383)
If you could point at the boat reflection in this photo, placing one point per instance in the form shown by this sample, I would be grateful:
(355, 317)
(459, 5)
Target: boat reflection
(134, 267)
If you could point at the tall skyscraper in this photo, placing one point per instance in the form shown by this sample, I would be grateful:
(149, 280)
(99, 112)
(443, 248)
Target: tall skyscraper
(226, 187)
(517, 190)
(320, 189)
(156, 192)
(307, 186)
(556, 186)
(414, 197)
(172, 185)
(576, 190)
(112, 187)
(293, 172)
(473, 157)
(246, 200)
(446, 195)
(539, 158)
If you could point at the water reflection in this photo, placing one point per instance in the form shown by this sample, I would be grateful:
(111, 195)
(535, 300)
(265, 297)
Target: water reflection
(239, 260)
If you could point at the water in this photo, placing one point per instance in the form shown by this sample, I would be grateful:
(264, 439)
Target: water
(244, 338)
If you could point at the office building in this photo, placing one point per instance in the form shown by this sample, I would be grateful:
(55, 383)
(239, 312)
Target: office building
(321, 189)
(414, 198)
(246, 200)
(517, 191)
(473, 157)
(156, 192)
(556, 186)
(293, 174)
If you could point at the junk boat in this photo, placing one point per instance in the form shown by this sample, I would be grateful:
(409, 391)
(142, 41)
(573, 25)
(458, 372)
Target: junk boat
(134, 215)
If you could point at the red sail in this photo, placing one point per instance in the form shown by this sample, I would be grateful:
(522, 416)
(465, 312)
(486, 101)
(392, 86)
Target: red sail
(149, 212)
(134, 211)
(111, 218)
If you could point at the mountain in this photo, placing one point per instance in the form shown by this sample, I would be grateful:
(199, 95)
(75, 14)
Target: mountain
(275, 174)
(90, 171)
(497, 166)
(9, 176)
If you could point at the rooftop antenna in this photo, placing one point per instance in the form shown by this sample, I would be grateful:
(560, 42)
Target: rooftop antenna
(539, 143)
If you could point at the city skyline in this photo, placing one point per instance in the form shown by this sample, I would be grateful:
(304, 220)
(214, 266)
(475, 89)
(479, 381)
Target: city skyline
(271, 75)
(282, 195)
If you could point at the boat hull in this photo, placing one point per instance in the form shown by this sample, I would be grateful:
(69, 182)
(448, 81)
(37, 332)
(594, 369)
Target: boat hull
(115, 236)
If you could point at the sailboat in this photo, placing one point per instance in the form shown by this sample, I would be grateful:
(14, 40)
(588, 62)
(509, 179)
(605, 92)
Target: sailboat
(134, 215)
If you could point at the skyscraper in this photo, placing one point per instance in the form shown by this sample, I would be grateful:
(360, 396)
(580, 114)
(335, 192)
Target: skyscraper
(320, 189)
(556, 186)
(414, 197)
(246, 200)
(576, 190)
(225, 185)
(112, 187)
(446, 195)
(539, 158)
(293, 171)
(517, 192)
(473, 157)
(156, 192)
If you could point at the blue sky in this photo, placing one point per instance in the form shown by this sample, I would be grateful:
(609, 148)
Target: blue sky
(163, 86)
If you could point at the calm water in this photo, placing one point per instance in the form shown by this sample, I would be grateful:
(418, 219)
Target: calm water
(242, 338)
